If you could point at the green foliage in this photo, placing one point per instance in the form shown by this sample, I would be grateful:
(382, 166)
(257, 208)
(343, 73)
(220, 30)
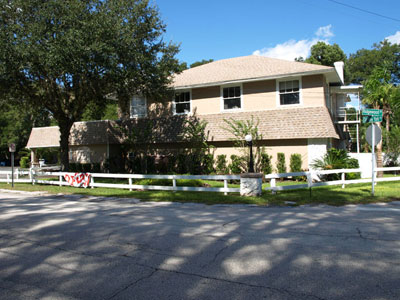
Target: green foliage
(24, 162)
(361, 64)
(281, 163)
(239, 129)
(393, 149)
(325, 54)
(266, 164)
(202, 62)
(86, 51)
(221, 165)
(16, 122)
(238, 164)
(295, 162)
(336, 159)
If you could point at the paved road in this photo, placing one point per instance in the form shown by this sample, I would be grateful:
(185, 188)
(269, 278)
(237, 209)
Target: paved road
(69, 247)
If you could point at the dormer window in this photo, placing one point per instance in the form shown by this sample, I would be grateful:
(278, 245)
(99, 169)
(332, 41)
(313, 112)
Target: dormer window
(182, 103)
(289, 92)
(138, 107)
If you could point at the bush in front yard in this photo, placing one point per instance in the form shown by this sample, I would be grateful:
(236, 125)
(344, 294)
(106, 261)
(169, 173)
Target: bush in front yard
(281, 163)
(221, 166)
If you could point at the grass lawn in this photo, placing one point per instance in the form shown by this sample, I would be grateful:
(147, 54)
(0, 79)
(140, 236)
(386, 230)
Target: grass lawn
(331, 195)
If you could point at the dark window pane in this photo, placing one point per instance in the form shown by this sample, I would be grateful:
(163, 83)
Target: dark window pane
(181, 108)
(232, 103)
(226, 92)
(187, 96)
(231, 92)
(292, 98)
(237, 91)
(282, 87)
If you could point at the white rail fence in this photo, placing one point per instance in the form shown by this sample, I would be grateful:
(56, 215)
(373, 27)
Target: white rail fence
(34, 177)
(313, 178)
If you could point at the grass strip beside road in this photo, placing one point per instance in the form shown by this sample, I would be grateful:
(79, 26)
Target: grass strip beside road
(330, 195)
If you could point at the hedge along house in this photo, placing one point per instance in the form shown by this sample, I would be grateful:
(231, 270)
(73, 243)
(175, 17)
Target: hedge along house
(295, 104)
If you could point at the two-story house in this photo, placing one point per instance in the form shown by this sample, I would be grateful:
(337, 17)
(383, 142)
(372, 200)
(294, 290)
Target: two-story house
(295, 104)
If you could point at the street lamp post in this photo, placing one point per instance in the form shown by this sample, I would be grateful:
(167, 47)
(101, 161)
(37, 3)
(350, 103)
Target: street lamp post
(249, 141)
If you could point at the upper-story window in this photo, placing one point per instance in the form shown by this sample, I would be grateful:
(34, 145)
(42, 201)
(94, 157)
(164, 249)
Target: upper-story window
(182, 103)
(289, 92)
(138, 106)
(231, 97)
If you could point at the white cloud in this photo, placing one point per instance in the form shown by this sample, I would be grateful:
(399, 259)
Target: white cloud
(395, 38)
(291, 49)
(325, 31)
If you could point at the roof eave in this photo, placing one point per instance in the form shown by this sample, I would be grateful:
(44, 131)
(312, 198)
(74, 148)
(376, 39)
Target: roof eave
(286, 75)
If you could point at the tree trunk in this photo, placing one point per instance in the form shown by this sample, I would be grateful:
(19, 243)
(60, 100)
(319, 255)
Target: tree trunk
(65, 127)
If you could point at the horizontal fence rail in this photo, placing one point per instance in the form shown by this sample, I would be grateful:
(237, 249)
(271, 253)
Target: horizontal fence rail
(131, 186)
(314, 180)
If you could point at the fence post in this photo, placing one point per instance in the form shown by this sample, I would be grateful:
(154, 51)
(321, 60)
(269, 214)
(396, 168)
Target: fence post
(174, 184)
(343, 179)
(130, 184)
(91, 182)
(17, 173)
(273, 184)
(33, 176)
(8, 178)
(60, 180)
(226, 186)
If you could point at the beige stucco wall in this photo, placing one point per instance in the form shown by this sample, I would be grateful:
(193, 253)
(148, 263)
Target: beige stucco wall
(313, 90)
(206, 100)
(259, 95)
(256, 96)
(88, 154)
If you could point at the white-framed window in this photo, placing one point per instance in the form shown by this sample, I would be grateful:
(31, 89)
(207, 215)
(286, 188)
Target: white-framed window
(231, 97)
(289, 92)
(182, 103)
(138, 106)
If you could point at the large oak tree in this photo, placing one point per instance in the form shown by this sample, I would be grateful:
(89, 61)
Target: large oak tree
(64, 55)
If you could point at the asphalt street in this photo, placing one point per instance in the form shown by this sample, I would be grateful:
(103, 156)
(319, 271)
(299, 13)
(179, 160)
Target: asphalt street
(74, 247)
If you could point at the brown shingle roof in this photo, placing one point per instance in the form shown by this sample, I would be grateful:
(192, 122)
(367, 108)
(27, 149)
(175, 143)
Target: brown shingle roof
(82, 133)
(290, 123)
(243, 68)
(42, 137)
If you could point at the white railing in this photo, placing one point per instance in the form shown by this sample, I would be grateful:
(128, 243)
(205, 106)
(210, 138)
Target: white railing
(17, 176)
(315, 176)
(131, 186)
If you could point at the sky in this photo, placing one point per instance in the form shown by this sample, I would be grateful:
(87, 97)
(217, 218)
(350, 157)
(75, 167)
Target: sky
(219, 29)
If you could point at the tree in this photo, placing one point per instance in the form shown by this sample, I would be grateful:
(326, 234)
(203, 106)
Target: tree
(384, 54)
(201, 62)
(16, 122)
(379, 93)
(65, 55)
(324, 54)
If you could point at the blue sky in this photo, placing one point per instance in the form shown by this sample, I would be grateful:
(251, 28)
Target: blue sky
(221, 29)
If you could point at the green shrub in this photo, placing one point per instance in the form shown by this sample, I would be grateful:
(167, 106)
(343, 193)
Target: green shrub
(295, 162)
(24, 162)
(221, 166)
(336, 159)
(266, 164)
(168, 182)
(281, 163)
(237, 164)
